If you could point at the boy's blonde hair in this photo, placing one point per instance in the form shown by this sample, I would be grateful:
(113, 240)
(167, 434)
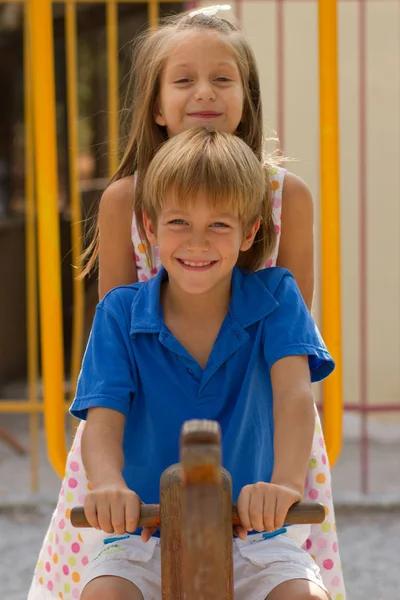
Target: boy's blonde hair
(151, 51)
(224, 168)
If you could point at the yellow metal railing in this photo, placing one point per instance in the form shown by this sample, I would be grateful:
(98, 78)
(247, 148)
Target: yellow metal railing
(330, 223)
(31, 268)
(45, 158)
(42, 214)
(112, 72)
(75, 197)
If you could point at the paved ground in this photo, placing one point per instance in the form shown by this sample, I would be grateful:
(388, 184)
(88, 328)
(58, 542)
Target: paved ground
(369, 537)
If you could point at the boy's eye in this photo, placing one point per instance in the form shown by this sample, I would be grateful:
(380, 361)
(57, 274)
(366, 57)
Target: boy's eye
(177, 222)
(220, 225)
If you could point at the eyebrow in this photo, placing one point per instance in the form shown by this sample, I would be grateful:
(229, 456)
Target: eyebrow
(221, 63)
(225, 215)
(182, 211)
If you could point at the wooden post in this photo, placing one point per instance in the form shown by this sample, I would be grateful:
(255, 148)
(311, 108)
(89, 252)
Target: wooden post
(226, 533)
(204, 543)
(171, 538)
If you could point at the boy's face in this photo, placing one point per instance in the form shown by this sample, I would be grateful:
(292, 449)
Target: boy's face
(199, 245)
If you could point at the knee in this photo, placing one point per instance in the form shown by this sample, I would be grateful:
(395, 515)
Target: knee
(298, 589)
(111, 588)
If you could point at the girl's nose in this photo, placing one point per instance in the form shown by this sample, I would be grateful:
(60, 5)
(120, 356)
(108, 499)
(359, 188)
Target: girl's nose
(205, 91)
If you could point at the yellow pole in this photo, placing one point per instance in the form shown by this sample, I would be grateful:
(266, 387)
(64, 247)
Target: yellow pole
(30, 408)
(153, 13)
(112, 72)
(44, 119)
(75, 199)
(330, 222)
(31, 257)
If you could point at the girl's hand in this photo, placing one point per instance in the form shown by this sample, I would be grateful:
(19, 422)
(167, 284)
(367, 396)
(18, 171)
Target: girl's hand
(115, 509)
(263, 507)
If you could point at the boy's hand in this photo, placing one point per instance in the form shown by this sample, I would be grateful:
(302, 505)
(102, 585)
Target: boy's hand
(115, 509)
(263, 507)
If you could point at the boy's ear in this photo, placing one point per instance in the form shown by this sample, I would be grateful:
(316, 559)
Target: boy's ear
(250, 235)
(150, 230)
(158, 116)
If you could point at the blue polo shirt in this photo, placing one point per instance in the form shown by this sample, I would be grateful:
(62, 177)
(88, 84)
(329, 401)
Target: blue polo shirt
(133, 364)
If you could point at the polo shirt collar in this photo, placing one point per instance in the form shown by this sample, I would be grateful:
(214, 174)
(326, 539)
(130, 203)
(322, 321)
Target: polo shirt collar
(251, 301)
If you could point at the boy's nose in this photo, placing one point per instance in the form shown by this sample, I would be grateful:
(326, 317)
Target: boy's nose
(198, 242)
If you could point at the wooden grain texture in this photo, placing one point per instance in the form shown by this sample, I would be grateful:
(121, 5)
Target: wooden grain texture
(203, 567)
(302, 513)
(149, 516)
(171, 538)
(226, 533)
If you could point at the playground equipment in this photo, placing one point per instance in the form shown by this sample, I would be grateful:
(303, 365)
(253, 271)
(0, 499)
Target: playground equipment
(196, 516)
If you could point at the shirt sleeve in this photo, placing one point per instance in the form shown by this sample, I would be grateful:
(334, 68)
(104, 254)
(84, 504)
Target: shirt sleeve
(291, 331)
(107, 377)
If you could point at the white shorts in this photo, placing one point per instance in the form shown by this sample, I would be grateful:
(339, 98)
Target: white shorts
(260, 565)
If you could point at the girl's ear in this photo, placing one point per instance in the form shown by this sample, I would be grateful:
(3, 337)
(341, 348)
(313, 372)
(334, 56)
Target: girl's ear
(150, 230)
(158, 116)
(250, 235)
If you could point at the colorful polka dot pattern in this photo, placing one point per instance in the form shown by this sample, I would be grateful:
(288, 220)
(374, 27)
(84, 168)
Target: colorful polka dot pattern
(66, 551)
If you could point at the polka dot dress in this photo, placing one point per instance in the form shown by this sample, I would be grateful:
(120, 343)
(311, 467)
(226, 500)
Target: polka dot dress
(66, 550)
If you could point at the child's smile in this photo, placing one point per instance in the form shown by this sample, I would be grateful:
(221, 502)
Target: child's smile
(197, 265)
(199, 243)
(200, 85)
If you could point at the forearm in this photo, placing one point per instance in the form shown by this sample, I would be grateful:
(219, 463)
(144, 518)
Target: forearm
(294, 422)
(102, 454)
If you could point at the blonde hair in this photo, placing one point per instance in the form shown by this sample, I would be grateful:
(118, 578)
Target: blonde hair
(224, 168)
(145, 136)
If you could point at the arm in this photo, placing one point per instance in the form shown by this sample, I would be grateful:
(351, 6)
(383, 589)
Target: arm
(265, 505)
(296, 356)
(294, 421)
(110, 505)
(296, 248)
(117, 264)
(104, 395)
(101, 448)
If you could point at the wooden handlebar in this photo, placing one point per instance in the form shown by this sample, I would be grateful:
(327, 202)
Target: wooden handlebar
(301, 513)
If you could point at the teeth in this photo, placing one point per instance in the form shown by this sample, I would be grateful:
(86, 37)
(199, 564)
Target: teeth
(196, 264)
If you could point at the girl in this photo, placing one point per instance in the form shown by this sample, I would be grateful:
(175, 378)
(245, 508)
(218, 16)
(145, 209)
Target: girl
(248, 364)
(177, 87)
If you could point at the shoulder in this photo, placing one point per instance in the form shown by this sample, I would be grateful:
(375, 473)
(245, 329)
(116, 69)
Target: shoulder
(282, 286)
(275, 172)
(279, 283)
(117, 303)
(117, 199)
(296, 195)
(273, 277)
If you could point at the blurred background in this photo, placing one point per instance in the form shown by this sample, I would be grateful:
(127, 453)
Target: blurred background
(90, 61)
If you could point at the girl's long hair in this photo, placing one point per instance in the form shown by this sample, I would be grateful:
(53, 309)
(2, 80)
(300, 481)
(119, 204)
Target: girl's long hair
(150, 52)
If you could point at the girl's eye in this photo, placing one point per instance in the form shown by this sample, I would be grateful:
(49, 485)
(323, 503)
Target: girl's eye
(223, 79)
(182, 80)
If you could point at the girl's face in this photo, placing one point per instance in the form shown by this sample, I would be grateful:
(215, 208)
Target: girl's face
(199, 245)
(200, 85)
